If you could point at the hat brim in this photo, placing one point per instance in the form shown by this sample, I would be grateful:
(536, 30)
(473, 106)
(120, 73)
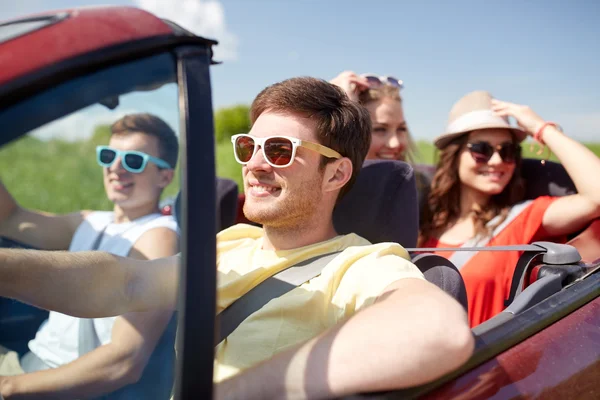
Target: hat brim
(443, 140)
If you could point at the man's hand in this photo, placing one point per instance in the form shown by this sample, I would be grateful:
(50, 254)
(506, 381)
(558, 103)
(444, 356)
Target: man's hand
(5, 387)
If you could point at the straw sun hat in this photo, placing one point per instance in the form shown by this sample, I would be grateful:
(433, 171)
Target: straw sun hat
(471, 112)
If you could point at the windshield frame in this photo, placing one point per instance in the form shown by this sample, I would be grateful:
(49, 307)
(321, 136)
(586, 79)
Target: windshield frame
(198, 273)
(42, 108)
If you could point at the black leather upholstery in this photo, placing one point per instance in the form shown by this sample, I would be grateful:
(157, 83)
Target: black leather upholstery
(442, 273)
(226, 204)
(549, 179)
(382, 205)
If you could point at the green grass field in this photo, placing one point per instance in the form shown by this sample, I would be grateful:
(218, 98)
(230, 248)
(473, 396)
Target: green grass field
(61, 177)
(56, 176)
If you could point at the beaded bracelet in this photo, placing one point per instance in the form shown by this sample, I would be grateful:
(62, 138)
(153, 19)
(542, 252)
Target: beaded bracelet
(538, 135)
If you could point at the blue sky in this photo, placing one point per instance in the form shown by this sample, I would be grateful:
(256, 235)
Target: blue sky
(542, 53)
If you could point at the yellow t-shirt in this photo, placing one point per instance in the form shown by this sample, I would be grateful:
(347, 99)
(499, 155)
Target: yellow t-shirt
(350, 282)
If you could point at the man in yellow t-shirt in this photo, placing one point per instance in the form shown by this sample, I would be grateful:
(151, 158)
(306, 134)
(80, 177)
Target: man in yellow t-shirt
(368, 322)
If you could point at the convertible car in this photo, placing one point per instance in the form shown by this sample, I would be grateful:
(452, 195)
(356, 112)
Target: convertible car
(62, 71)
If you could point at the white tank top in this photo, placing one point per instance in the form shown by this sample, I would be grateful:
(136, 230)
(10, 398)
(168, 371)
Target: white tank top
(57, 340)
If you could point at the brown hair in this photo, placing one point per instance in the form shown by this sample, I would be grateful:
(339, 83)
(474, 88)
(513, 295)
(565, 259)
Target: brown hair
(342, 125)
(151, 125)
(443, 201)
(389, 92)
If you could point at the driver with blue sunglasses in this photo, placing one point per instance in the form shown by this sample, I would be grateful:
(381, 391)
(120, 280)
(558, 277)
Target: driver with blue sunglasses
(83, 358)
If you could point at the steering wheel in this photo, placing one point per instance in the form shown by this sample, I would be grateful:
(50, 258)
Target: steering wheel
(10, 243)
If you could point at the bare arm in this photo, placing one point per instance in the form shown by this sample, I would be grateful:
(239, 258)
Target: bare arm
(110, 284)
(41, 230)
(103, 370)
(570, 213)
(111, 366)
(413, 334)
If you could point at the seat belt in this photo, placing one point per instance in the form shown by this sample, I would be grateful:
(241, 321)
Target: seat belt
(88, 338)
(273, 287)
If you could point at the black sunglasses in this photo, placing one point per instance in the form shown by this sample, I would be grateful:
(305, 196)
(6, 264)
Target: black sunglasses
(482, 152)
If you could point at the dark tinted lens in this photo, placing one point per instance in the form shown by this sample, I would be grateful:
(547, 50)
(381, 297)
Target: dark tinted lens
(481, 151)
(244, 148)
(508, 152)
(134, 161)
(107, 156)
(394, 82)
(278, 151)
(374, 81)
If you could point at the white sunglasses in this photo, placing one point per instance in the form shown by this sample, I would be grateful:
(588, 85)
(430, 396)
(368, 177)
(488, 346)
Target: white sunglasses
(278, 151)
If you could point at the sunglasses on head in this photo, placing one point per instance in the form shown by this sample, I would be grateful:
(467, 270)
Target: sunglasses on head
(132, 161)
(378, 81)
(278, 151)
(482, 152)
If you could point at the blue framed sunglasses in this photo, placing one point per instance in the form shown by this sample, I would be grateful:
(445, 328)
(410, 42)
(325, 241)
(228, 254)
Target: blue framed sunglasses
(133, 161)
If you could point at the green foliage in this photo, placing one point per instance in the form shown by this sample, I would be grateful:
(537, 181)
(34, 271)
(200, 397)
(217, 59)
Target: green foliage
(101, 135)
(54, 176)
(227, 167)
(230, 121)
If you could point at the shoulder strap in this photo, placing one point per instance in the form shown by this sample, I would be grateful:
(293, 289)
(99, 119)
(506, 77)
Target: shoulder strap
(143, 225)
(275, 286)
(460, 258)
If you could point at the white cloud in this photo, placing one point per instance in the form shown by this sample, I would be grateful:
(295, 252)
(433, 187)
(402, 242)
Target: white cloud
(203, 17)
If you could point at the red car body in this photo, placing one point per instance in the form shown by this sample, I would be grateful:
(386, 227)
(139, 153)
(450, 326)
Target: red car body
(75, 33)
(551, 351)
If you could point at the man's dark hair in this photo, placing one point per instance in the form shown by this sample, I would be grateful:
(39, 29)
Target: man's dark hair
(342, 124)
(148, 124)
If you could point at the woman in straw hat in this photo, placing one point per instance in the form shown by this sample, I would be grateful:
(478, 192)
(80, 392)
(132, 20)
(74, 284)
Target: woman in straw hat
(476, 196)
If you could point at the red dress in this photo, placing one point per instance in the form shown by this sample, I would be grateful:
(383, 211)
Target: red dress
(488, 275)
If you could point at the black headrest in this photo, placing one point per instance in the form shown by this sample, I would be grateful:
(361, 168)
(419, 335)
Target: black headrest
(382, 205)
(442, 273)
(549, 179)
(226, 204)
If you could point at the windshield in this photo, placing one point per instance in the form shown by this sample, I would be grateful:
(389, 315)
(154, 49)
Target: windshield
(96, 166)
